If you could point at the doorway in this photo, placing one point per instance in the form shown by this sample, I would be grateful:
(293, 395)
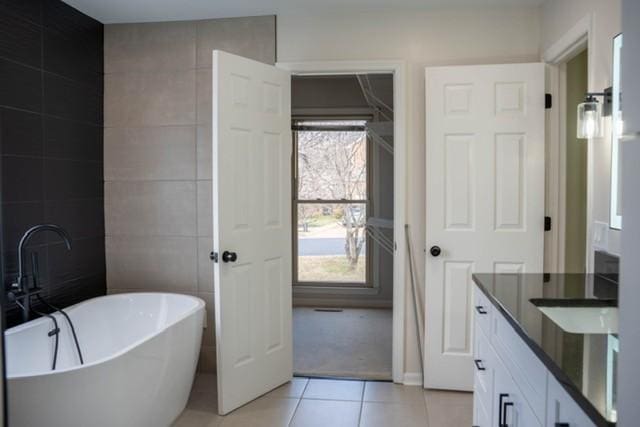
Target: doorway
(484, 200)
(569, 161)
(253, 224)
(343, 224)
(575, 215)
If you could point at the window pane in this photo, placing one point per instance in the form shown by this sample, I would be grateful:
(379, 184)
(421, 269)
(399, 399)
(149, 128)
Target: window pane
(332, 165)
(331, 243)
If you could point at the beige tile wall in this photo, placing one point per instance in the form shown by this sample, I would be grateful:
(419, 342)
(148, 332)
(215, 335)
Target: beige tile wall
(157, 152)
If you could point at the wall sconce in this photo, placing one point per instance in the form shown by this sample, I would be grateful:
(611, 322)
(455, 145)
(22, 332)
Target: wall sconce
(590, 114)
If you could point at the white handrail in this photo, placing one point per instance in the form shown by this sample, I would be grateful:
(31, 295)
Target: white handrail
(380, 222)
(417, 300)
(382, 240)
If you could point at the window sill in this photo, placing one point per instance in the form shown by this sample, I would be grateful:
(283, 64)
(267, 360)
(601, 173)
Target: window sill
(301, 290)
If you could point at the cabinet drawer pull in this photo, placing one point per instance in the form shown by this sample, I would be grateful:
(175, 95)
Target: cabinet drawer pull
(501, 409)
(562, 424)
(480, 309)
(479, 365)
(506, 405)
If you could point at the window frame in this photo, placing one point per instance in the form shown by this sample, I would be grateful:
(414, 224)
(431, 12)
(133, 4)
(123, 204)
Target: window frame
(295, 128)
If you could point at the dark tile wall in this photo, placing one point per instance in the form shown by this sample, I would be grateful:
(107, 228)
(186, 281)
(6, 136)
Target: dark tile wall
(51, 120)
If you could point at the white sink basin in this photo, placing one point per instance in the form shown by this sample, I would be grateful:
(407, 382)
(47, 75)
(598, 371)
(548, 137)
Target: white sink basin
(584, 320)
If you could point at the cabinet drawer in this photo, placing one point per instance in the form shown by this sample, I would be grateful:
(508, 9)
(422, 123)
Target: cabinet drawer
(482, 310)
(484, 361)
(528, 372)
(511, 407)
(481, 416)
(562, 409)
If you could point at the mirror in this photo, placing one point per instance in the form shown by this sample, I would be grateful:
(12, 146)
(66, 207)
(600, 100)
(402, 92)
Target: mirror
(615, 219)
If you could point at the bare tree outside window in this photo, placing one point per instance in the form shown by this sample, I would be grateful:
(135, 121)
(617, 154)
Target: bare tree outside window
(332, 190)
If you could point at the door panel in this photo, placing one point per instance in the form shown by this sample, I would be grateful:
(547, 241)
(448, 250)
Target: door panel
(457, 320)
(509, 182)
(459, 193)
(485, 198)
(252, 218)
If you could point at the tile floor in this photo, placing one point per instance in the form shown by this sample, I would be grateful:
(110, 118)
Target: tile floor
(332, 403)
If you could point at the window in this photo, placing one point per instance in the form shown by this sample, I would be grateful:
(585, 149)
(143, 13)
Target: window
(330, 202)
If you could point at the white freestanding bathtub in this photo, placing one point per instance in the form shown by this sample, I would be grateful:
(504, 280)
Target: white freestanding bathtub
(140, 353)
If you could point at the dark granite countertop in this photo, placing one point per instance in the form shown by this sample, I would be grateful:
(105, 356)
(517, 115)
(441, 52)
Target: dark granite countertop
(582, 361)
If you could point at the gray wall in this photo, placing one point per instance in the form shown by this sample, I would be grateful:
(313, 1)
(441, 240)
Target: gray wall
(157, 152)
(629, 371)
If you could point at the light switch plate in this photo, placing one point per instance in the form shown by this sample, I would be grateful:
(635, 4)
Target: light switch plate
(600, 236)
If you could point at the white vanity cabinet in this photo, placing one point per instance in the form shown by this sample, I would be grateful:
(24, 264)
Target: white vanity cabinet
(512, 408)
(483, 380)
(562, 411)
(481, 415)
(512, 387)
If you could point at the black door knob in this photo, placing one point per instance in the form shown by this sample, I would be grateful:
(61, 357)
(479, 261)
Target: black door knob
(435, 250)
(229, 256)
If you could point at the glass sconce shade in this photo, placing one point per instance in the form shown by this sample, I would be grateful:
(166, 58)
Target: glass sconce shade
(589, 119)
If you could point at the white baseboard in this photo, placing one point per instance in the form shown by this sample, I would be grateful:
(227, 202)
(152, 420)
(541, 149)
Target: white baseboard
(340, 303)
(412, 378)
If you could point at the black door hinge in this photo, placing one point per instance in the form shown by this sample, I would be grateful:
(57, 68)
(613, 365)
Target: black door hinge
(548, 101)
(213, 256)
(547, 223)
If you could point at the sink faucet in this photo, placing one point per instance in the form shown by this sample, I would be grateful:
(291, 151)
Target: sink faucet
(21, 292)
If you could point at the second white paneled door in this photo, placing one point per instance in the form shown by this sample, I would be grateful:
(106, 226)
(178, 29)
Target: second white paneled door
(485, 198)
(252, 228)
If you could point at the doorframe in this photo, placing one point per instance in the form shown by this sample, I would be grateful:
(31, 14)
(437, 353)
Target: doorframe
(398, 69)
(573, 42)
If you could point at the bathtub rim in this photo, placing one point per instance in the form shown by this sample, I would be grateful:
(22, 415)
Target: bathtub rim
(200, 305)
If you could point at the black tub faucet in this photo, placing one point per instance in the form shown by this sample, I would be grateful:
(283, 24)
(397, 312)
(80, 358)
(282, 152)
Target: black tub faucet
(20, 291)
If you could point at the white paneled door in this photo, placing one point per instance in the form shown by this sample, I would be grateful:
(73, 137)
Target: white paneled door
(252, 227)
(485, 198)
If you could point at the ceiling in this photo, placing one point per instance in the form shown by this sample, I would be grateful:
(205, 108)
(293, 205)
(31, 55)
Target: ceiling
(116, 11)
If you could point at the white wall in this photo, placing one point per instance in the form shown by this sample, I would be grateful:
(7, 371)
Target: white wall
(421, 38)
(558, 17)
